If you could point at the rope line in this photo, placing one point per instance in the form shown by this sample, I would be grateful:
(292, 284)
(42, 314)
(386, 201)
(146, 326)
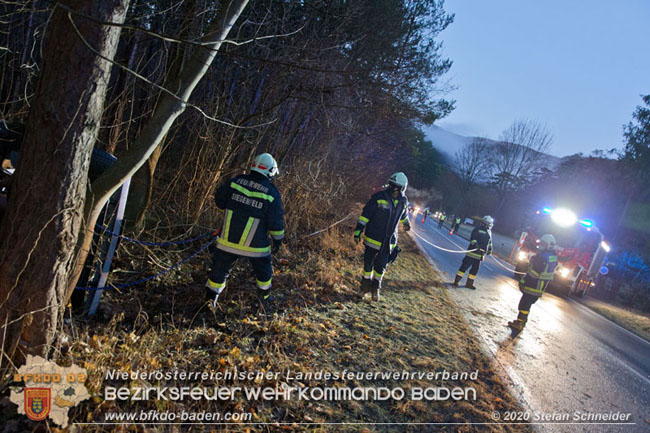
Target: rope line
(506, 267)
(151, 277)
(327, 228)
(444, 249)
(101, 230)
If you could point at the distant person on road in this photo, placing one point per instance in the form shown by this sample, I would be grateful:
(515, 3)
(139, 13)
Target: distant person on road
(539, 275)
(253, 215)
(456, 224)
(481, 243)
(425, 214)
(441, 220)
(379, 219)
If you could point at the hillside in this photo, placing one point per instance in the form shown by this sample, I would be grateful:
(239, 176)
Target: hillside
(449, 143)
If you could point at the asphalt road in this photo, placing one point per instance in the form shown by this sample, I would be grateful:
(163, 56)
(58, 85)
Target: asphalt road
(568, 362)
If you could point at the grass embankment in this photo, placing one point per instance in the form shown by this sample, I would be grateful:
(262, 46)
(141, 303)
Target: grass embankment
(320, 325)
(634, 321)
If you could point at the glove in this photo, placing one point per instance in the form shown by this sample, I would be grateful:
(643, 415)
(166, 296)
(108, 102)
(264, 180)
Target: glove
(276, 247)
(357, 236)
(407, 227)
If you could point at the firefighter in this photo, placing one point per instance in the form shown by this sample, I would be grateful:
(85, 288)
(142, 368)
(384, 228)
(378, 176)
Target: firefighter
(253, 214)
(379, 219)
(425, 214)
(456, 225)
(481, 243)
(441, 220)
(539, 275)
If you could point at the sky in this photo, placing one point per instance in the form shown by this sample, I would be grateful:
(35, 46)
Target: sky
(579, 66)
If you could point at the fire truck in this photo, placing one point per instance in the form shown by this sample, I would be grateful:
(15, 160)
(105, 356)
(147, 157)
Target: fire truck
(581, 249)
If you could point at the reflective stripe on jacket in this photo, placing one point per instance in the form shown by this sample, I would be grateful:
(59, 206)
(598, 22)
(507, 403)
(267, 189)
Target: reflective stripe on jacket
(540, 273)
(253, 213)
(481, 241)
(380, 217)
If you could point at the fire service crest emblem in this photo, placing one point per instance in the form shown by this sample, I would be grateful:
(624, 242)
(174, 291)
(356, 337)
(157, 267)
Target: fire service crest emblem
(37, 403)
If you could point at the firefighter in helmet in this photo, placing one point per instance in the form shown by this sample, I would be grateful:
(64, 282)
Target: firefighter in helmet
(537, 278)
(379, 219)
(253, 215)
(480, 244)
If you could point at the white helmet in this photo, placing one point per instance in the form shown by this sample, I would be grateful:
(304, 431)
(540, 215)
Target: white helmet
(488, 220)
(549, 240)
(399, 180)
(265, 164)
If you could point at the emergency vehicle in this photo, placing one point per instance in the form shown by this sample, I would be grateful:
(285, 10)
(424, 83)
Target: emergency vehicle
(581, 249)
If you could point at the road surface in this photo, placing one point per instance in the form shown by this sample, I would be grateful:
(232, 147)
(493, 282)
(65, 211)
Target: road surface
(569, 362)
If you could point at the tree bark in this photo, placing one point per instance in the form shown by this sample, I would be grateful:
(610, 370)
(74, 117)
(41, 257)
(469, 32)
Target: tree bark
(168, 109)
(142, 182)
(45, 211)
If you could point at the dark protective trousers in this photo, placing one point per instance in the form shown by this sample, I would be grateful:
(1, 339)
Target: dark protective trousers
(527, 300)
(222, 262)
(374, 263)
(440, 223)
(468, 262)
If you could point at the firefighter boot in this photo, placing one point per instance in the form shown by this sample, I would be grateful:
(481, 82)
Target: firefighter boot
(265, 301)
(457, 280)
(470, 284)
(517, 325)
(366, 285)
(376, 285)
(213, 290)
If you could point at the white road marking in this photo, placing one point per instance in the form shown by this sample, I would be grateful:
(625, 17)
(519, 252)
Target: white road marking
(510, 371)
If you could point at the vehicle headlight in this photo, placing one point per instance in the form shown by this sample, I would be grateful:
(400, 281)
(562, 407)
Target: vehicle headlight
(564, 272)
(522, 255)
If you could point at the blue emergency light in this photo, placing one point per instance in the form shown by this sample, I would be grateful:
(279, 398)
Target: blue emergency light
(547, 210)
(587, 223)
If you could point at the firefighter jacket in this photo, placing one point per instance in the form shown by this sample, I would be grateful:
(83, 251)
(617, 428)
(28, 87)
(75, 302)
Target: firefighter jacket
(481, 241)
(379, 219)
(253, 212)
(539, 274)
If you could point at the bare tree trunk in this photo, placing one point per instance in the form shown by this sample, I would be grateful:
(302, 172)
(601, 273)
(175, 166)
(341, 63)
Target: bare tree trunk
(128, 93)
(150, 167)
(142, 183)
(40, 230)
(168, 109)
